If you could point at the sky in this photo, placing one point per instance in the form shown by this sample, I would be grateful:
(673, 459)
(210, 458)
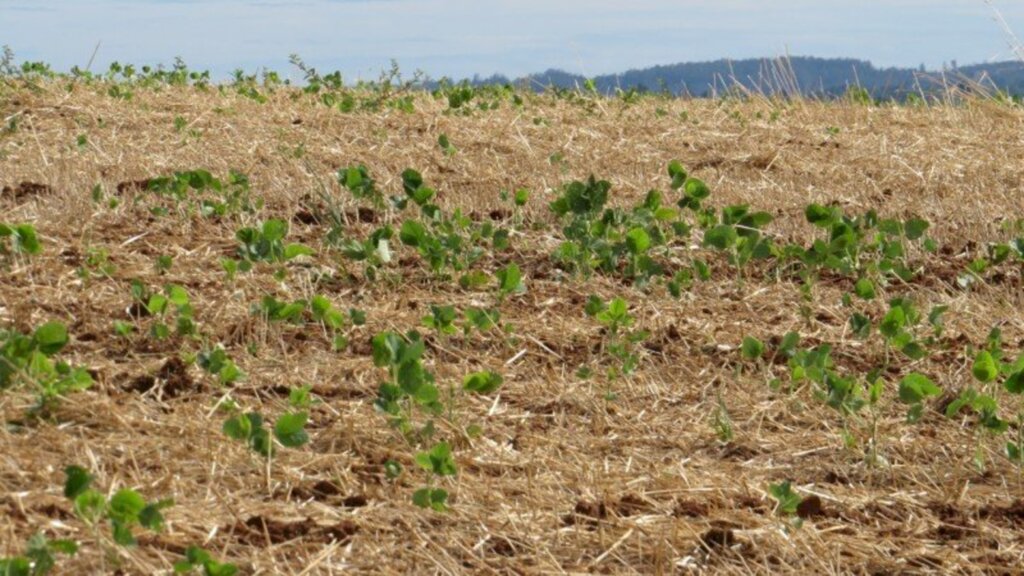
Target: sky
(459, 38)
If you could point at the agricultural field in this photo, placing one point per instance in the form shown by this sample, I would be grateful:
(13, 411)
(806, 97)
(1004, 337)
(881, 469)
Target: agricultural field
(255, 328)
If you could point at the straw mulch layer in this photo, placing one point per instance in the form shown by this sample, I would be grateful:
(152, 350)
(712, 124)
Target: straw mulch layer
(560, 479)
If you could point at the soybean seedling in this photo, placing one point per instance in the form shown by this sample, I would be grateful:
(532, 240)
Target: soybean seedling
(266, 244)
(439, 463)
(357, 180)
(289, 429)
(216, 362)
(1014, 384)
(510, 281)
(18, 240)
(331, 319)
(482, 319)
(409, 386)
(28, 361)
(480, 383)
(159, 306)
(39, 557)
(446, 146)
(125, 510)
(619, 342)
(914, 388)
(739, 235)
(441, 319)
(787, 501)
(196, 558)
(987, 369)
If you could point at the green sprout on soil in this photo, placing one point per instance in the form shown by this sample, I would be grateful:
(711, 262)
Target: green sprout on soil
(159, 305)
(357, 180)
(18, 240)
(619, 341)
(39, 557)
(216, 362)
(289, 429)
(739, 235)
(992, 375)
(265, 243)
(441, 320)
(786, 499)
(914, 388)
(196, 558)
(410, 386)
(439, 463)
(446, 146)
(203, 193)
(27, 361)
(123, 511)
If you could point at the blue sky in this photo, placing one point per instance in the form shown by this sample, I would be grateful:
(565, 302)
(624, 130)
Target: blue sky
(462, 37)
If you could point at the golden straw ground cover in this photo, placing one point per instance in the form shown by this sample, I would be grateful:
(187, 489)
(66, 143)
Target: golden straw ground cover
(611, 425)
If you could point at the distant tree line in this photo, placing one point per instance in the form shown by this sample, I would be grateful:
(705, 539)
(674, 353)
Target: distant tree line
(809, 76)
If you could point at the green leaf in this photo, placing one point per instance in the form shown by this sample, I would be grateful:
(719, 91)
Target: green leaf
(260, 442)
(638, 241)
(697, 189)
(17, 566)
(865, 289)
(1015, 383)
(438, 460)
(301, 397)
(275, 230)
(819, 215)
(721, 237)
(433, 498)
(239, 427)
(89, 505)
(157, 304)
(51, 337)
(677, 173)
(473, 280)
(594, 306)
(290, 429)
(787, 500)
(752, 348)
(177, 296)
(411, 180)
(358, 317)
(151, 517)
(915, 228)
(27, 239)
(893, 322)
(123, 329)
(510, 280)
(875, 391)
(861, 325)
(68, 547)
(482, 382)
(122, 533)
(412, 233)
(295, 250)
(916, 387)
(914, 350)
(1014, 452)
(985, 369)
(126, 505)
(78, 481)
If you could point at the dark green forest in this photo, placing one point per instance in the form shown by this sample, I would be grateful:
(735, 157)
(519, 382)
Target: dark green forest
(809, 76)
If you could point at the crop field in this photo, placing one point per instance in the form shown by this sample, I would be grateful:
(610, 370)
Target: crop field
(256, 328)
